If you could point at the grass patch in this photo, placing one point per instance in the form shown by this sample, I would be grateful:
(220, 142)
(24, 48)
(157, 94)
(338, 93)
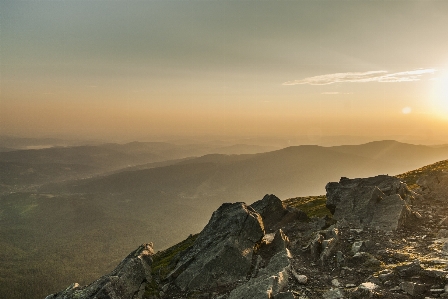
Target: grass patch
(411, 177)
(313, 206)
(163, 264)
(162, 260)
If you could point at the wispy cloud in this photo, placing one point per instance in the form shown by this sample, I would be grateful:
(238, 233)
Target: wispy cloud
(371, 76)
(335, 92)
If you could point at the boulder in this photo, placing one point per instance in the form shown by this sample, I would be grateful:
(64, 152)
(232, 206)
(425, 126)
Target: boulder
(127, 281)
(378, 202)
(222, 253)
(364, 290)
(271, 280)
(409, 269)
(434, 185)
(323, 245)
(275, 214)
(412, 288)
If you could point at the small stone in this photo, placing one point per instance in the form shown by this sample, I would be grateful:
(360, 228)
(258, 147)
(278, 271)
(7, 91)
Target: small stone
(412, 288)
(356, 247)
(333, 294)
(336, 283)
(302, 279)
(443, 233)
(368, 286)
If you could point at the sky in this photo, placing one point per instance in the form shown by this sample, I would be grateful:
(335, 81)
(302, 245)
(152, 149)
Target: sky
(136, 69)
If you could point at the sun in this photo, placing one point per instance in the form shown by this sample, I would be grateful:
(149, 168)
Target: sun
(440, 94)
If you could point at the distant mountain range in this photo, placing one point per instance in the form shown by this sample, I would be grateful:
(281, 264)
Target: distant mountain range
(87, 206)
(292, 171)
(37, 166)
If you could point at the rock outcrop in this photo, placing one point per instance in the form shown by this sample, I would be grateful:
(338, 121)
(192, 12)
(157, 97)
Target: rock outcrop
(434, 185)
(275, 214)
(126, 281)
(380, 201)
(222, 253)
(265, 250)
(269, 280)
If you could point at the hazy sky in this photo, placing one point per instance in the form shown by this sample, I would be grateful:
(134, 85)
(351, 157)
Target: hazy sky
(117, 69)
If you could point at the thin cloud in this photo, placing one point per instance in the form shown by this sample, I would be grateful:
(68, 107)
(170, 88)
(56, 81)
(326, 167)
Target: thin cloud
(335, 92)
(371, 76)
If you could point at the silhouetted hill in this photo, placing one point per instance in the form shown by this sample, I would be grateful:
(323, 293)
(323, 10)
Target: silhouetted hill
(36, 166)
(298, 170)
(405, 154)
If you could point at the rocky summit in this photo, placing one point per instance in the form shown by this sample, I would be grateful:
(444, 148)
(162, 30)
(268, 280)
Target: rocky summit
(382, 201)
(378, 239)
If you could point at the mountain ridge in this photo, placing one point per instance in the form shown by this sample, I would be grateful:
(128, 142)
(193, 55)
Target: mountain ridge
(242, 254)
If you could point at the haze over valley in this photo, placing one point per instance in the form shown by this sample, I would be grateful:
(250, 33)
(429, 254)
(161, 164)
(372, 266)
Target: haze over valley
(87, 206)
(129, 122)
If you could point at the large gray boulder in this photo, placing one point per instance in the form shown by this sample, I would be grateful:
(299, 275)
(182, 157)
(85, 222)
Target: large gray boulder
(379, 201)
(275, 214)
(222, 253)
(270, 280)
(434, 185)
(126, 281)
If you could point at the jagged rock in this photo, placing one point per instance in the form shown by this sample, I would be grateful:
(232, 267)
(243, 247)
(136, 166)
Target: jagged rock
(323, 245)
(434, 185)
(316, 246)
(434, 273)
(272, 279)
(274, 213)
(386, 275)
(357, 246)
(127, 281)
(412, 288)
(328, 247)
(378, 201)
(364, 259)
(223, 251)
(409, 269)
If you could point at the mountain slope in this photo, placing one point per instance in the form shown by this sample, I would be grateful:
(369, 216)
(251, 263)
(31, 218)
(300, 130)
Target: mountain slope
(396, 152)
(90, 225)
(300, 170)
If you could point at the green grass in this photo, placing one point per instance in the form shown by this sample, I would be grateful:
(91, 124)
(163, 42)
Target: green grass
(411, 177)
(313, 206)
(162, 259)
(163, 264)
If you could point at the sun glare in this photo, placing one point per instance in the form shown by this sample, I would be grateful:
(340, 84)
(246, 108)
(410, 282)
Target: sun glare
(440, 95)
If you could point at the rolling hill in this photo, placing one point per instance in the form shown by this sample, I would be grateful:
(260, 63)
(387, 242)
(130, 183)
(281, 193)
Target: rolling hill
(89, 224)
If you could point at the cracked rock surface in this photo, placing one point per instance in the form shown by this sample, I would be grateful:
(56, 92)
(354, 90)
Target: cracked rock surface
(126, 281)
